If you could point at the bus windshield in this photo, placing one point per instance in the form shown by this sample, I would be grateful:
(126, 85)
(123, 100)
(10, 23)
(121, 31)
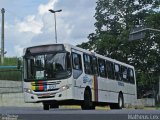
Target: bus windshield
(48, 66)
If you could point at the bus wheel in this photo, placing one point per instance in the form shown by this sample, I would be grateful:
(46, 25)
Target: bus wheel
(87, 103)
(120, 101)
(54, 105)
(46, 106)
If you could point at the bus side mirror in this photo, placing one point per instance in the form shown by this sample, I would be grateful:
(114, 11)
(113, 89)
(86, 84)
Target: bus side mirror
(18, 64)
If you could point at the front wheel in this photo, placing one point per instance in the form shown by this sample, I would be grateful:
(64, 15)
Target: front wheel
(87, 103)
(46, 106)
(120, 101)
(54, 105)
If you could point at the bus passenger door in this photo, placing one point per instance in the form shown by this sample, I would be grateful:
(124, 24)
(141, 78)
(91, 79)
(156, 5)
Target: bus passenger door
(77, 72)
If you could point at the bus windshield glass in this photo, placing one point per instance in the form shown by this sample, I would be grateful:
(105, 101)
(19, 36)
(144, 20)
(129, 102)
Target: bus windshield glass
(48, 66)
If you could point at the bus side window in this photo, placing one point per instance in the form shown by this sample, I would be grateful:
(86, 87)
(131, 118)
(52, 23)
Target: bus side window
(77, 65)
(130, 75)
(117, 72)
(110, 70)
(94, 65)
(87, 64)
(124, 73)
(102, 67)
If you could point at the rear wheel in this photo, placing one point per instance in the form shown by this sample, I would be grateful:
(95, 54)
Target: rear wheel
(87, 103)
(120, 101)
(118, 105)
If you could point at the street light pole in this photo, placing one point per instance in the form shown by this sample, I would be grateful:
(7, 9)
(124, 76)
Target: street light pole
(54, 11)
(55, 27)
(2, 37)
(139, 33)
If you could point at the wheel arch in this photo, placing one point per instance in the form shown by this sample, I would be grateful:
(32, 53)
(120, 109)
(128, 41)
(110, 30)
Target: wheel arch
(87, 89)
(121, 94)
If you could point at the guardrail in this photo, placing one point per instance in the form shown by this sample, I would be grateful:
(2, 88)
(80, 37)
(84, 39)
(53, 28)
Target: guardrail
(8, 67)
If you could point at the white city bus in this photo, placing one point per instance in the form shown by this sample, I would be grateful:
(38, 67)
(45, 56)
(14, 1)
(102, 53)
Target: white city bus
(62, 74)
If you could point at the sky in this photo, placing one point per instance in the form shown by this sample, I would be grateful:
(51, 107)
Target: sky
(29, 23)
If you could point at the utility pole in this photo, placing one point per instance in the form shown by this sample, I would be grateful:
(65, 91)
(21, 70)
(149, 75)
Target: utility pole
(2, 37)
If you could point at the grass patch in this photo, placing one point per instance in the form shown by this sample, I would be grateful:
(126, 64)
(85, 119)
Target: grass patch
(9, 61)
(151, 108)
(79, 107)
(10, 73)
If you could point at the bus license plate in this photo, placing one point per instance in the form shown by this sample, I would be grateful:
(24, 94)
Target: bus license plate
(50, 87)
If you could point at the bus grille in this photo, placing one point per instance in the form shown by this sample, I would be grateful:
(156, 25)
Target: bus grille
(42, 86)
(46, 90)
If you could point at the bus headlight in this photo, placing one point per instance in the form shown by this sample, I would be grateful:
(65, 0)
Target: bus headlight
(65, 87)
(28, 90)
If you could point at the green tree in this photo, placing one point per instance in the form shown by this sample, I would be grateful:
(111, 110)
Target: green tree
(114, 21)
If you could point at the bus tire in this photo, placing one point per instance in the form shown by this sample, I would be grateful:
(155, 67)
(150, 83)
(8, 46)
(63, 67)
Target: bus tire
(87, 103)
(54, 105)
(120, 101)
(46, 106)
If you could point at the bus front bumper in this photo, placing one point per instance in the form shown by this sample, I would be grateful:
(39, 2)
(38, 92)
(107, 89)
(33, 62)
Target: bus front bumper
(33, 97)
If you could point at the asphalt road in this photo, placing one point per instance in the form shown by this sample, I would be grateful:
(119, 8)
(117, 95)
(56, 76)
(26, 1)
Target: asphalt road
(15, 113)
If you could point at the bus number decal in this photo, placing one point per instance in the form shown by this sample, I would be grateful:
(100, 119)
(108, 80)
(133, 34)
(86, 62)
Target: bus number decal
(51, 87)
(120, 84)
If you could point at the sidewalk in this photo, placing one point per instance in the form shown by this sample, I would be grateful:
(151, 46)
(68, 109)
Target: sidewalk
(11, 95)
